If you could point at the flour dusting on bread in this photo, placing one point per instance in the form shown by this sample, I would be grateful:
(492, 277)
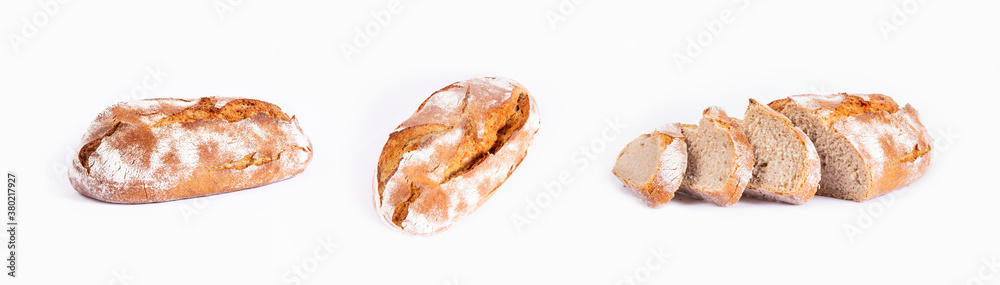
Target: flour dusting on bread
(449, 157)
(179, 160)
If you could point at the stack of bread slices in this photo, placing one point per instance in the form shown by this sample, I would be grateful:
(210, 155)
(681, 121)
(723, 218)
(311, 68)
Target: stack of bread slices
(847, 146)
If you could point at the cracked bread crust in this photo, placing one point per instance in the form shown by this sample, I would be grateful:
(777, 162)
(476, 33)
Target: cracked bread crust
(158, 150)
(449, 157)
(892, 143)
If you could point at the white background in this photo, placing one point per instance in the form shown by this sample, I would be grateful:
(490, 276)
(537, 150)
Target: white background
(601, 61)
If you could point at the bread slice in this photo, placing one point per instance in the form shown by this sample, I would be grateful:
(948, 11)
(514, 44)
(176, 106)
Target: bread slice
(786, 167)
(653, 165)
(868, 145)
(720, 160)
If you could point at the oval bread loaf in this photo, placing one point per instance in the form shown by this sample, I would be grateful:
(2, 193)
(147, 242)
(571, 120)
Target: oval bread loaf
(167, 149)
(450, 156)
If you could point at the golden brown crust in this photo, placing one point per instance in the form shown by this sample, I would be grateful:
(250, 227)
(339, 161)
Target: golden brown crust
(779, 105)
(902, 154)
(232, 111)
(853, 105)
(87, 149)
(141, 152)
(450, 156)
(401, 142)
(891, 141)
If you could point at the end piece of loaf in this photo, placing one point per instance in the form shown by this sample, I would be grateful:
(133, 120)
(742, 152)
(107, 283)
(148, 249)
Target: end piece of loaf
(720, 159)
(868, 145)
(653, 165)
(786, 167)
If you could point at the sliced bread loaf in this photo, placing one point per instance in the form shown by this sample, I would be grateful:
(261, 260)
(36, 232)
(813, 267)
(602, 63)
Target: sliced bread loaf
(653, 165)
(720, 159)
(786, 167)
(867, 144)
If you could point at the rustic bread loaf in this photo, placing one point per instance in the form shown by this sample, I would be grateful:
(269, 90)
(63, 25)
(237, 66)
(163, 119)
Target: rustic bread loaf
(720, 159)
(167, 149)
(450, 156)
(653, 165)
(786, 167)
(867, 144)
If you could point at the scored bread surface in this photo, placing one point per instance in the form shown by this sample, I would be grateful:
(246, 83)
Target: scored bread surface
(450, 156)
(158, 150)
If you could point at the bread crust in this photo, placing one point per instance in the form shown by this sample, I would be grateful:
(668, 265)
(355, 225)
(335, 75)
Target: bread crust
(158, 150)
(810, 169)
(893, 143)
(450, 156)
(739, 174)
(670, 168)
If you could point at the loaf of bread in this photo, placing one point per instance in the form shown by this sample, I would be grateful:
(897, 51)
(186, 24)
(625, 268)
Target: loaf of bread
(450, 156)
(167, 149)
(653, 165)
(786, 167)
(868, 145)
(720, 160)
